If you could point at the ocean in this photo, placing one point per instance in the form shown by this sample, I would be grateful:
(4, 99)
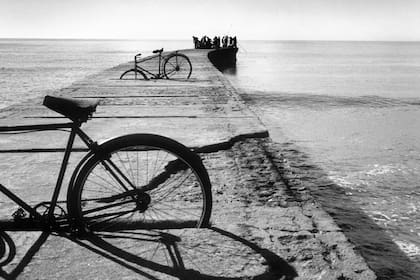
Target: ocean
(31, 67)
(352, 107)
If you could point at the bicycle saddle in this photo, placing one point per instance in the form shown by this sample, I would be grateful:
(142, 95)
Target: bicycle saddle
(75, 109)
(158, 51)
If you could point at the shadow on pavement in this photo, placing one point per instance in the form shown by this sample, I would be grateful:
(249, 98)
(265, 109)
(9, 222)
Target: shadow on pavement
(188, 254)
(8, 253)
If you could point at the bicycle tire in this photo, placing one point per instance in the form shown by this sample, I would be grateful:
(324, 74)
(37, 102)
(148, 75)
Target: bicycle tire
(7, 249)
(172, 187)
(132, 74)
(177, 66)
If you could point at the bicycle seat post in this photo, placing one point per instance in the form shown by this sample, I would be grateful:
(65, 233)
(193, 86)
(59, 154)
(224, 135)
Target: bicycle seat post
(136, 61)
(160, 62)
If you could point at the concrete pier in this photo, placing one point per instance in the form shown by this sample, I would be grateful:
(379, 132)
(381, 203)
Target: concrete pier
(263, 225)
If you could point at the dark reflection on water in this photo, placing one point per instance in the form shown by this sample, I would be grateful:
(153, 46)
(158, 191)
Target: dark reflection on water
(383, 256)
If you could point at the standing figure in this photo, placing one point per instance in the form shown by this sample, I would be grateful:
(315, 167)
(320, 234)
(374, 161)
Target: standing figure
(196, 43)
(203, 42)
(230, 40)
(224, 41)
(216, 42)
(208, 42)
(234, 42)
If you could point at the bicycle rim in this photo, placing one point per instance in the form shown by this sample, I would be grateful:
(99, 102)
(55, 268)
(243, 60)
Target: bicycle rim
(177, 67)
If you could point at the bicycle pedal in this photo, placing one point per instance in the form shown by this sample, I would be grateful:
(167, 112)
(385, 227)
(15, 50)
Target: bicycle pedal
(19, 214)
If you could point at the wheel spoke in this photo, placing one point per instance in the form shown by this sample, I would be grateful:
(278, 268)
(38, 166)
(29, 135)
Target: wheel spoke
(107, 221)
(171, 191)
(183, 61)
(174, 66)
(170, 73)
(131, 169)
(104, 207)
(114, 185)
(177, 67)
(172, 194)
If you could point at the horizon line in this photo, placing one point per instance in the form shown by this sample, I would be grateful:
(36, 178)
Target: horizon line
(179, 39)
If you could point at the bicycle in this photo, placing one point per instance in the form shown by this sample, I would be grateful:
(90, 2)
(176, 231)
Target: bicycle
(172, 66)
(136, 181)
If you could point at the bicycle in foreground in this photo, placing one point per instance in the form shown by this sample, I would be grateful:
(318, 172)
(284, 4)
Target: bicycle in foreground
(140, 196)
(175, 65)
(136, 181)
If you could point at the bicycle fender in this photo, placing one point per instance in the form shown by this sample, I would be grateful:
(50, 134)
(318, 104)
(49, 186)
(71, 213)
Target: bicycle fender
(104, 147)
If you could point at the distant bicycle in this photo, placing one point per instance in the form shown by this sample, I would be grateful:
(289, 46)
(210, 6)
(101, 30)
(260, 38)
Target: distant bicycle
(172, 66)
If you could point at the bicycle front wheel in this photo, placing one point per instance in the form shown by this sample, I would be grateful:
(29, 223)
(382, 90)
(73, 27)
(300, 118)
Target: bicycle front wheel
(142, 181)
(133, 74)
(177, 66)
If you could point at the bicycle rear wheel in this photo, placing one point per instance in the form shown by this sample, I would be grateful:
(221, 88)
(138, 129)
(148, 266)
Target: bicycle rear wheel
(133, 74)
(142, 181)
(177, 66)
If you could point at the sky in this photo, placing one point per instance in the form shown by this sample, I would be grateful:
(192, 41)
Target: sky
(381, 20)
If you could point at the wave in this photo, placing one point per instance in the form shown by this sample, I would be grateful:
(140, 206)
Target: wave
(313, 100)
(40, 70)
(380, 170)
(410, 249)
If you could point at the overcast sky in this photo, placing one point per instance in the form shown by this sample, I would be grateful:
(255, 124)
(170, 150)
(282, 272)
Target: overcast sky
(180, 19)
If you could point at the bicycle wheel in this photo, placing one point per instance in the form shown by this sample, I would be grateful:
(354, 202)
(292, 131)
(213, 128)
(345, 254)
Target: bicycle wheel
(142, 181)
(177, 66)
(133, 74)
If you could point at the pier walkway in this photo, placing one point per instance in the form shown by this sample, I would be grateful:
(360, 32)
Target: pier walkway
(263, 225)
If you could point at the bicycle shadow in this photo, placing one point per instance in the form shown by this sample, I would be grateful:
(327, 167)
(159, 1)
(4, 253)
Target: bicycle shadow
(211, 253)
(8, 254)
(188, 254)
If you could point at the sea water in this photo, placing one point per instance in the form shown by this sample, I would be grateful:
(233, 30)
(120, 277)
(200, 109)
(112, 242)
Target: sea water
(30, 68)
(353, 107)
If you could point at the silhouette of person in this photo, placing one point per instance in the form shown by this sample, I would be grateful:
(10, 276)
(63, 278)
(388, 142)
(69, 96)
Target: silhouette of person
(234, 42)
(216, 42)
(196, 42)
(224, 41)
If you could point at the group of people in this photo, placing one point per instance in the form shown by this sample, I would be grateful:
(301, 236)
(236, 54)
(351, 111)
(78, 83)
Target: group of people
(206, 43)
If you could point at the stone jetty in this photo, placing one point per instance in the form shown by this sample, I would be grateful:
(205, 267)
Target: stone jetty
(264, 225)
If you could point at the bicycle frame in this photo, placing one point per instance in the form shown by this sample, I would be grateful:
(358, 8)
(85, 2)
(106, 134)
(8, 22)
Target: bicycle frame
(137, 61)
(75, 130)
